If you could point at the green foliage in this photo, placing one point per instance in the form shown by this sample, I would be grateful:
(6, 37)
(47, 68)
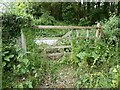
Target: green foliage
(84, 22)
(14, 62)
(34, 9)
(111, 27)
(97, 61)
(44, 19)
(67, 12)
(12, 55)
(26, 70)
(11, 26)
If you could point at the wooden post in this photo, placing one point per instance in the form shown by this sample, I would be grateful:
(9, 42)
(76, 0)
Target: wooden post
(98, 31)
(22, 42)
(87, 34)
(72, 45)
(77, 33)
(67, 34)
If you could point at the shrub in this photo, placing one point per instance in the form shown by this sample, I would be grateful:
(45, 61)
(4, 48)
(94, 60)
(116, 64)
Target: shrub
(44, 19)
(97, 62)
(84, 22)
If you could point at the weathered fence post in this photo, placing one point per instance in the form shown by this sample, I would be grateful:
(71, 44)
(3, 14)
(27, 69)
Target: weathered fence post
(87, 34)
(71, 45)
(77, 33)
(21, 41)
(98, 31)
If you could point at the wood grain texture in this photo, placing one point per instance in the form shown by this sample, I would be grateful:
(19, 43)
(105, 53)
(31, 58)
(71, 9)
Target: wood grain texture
(64, 27)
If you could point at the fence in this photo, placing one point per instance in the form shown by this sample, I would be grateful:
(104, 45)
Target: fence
(74, 28)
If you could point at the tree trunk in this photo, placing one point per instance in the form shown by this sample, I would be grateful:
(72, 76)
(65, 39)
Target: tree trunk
(98, 4)
(119, 8)
(112, 7)
(88, 7)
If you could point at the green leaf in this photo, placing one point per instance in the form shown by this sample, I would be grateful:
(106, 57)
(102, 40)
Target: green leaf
(19, 65)
(81, 55)
(114, 70)
(7, 58)
(3, 64)
(20, 85)
(25, 61)
(9, 65)
(30, 85)
(11, 56)
(22, 70)
(94, 55)
(3, 54)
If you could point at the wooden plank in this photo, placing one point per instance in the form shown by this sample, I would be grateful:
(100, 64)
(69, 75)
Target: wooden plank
(53, 47)
(64, 27)
(67, 34)
(47, 38)
(54, 54)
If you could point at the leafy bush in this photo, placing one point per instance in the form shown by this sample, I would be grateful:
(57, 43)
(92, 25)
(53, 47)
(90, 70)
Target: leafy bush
(14, 62)
(11, 26)
(110, 27)
(22, 71)
(97, 61)
(44, 19)
(84, 22)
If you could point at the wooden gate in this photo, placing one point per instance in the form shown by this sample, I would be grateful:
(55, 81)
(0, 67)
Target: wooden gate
(72, 28)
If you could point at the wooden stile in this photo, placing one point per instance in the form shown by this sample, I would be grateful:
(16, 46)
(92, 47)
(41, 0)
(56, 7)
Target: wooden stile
(72, 28)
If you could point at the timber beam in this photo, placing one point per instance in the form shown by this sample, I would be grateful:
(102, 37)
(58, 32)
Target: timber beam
(65, 27)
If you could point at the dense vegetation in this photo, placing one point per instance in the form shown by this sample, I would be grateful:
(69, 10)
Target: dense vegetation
(95, 61)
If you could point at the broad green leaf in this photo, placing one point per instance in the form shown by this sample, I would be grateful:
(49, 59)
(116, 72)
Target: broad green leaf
(82, 55)
(3, 64)
(36, 75)
(3, 54)
(20, 85)
(9, 65)
(20, 56)
(30, 85)
(94, 55)
(114, 70)
(7, 58)
(22, 70)
(19, 66)
(11, 56)
(25, 61)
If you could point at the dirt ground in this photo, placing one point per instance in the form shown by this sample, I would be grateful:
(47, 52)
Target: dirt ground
(65, 78)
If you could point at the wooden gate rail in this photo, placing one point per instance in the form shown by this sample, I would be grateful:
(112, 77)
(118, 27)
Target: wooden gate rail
(97, 27)
(65, 27)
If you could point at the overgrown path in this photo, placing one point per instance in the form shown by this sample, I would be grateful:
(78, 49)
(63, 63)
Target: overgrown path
(64, 77)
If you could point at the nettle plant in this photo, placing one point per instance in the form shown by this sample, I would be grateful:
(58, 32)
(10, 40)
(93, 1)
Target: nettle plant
(14, 59)
(97, 61)
(97, 64)
(11, 30)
